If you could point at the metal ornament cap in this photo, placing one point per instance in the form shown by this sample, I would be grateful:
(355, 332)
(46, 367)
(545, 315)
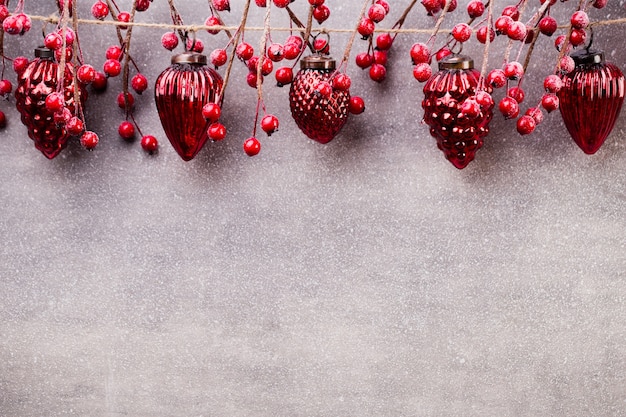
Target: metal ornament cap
(459, 62)
(319, 62)
(190, 58)
(584, 57)
(44, 53)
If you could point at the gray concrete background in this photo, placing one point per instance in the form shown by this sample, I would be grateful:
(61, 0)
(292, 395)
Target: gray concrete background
(367, 277)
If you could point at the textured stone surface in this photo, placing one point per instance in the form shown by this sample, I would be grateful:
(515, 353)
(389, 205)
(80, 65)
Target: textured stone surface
(366, 277)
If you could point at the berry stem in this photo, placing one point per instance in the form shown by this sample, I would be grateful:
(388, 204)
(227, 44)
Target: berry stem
(346, 53)
(483, 69)
(262, 57)
(61, 68)
(307, 28)
(402, 18)
(178, 21)
(231, 59)
(566, 43)
(126, 68)
(439, 21)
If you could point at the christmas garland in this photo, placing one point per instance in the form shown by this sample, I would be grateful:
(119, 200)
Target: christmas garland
(458, 103)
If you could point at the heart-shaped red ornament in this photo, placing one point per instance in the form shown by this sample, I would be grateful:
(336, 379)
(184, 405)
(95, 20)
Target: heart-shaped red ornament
(320, 114)
(591, 99)
(180, 93)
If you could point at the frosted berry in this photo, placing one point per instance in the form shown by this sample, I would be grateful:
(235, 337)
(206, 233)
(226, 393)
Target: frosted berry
(579, 20)
(53, 41)
(123, 98)
(86, 74)
(269, 124)
(211, 112)
(316, 3)
(89, 140)
(535, 113)
(19, 64)
(566, 64)
(364, 60)
(244, 51)
(55, 102)
(496, 78)
(517, 93)
(385, 5)
(461, 32)
(123, 17)
(502, 25)
(384, 41)
(509, 108)
(513, 70)
(599, 4)
(70, 35)
(143, 5)
(149, 143)
(112, 68)
(222, 5)
(252, 146)
(195, 45)
(12, 25)
(422, 72)
(5, 87)
(378, 72)
(25, 22)
(169, 40)
(291, 50)
(323, 88)
(341, 82)
(577, 37)
(321, 46)
(126, 130)
(139, 83)
(75, 126)
(380, 57)
(420, 52)
(481, 34)
(552, 83)
(261, 3)
(376, 13)
(218, 57)
(275, 52)
(100, 10)
(485, 100)
(512, 12)
(432, 6)
(517, 31)
(559, 42)
(100, 82)
(62, 116)
(470, 108)
(281, 4)
(526, 125)
(252, 79)
(548, 25)
(216, 132)
(366, 27)
(213, 21)
(550, 102)
(58, 54)
(4, 13)
(114, 52)
(443, 53)
(356, 105)
(284, 76)
(321, 13)
(475, 9)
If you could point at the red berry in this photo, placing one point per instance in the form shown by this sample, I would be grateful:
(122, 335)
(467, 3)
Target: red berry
(526, 125)
(461, 32)
(89, 140)
(75, 126)
(475, 9)
(452, 6)
(502, 24)
(244, 51)
(366, 27)
(422, 72)
(376, 13)
(599, 4)
(517, 31)
(284, 76)
(123, 17)
(218, 57)
(3, 120)
(535, 113)
(121, 102)
(420, 53)
(58, 54)
(548, 25)
(577, 37)
(513, 70)
(112, 68)
(579, 20)
(149, 143)
(114, 52)
(357, 105)
(261, 3)
(211, 112)
(12, 25)
(5, 87)
(275, 52)
(384, 4)
(378, 72)
(281, 4)
(86, 74)
(252, 79)
(550, 102)
(142, 5)
(53, 41)
(100, 10)
(316, 3)
(25, 22)
(566, 64)
(431, 6)
(324, 89)
(55, 102)
(4, 13)
(364, 60)
(126, 130)
(442, 53)
(512, 12)
(341, 82)
(213, 21)
(139, 83)
(19, 64)
(322, 46)
(517, 93)
(481, 34)
(295, 39)
(496, 78)
(252, 146)
(100, 82)
(291, 50)
(484, 99)
(269, 124)
(62, 116)
(195, 45)
(321, 13)
(216, 132)
(384, 41)
(222, 5)
(509, 107)
(70, 36)
(380, 57)
(169, 40)
(552, 83)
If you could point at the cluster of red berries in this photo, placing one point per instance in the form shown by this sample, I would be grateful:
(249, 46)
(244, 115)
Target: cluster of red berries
(16, 23)
(375, 58)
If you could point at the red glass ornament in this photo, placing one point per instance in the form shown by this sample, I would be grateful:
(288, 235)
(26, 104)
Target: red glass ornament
(591, 99)
(180, 93)
(320, 116)
(35, 83)
(458, 136)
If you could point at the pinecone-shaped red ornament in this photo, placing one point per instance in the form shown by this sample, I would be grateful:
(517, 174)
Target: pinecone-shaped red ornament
(35, 83)
(458, 135)
(180, 93)
(591, 99)
(319, 110)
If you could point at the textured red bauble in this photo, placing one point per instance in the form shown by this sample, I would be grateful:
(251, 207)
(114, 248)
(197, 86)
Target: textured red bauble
(458, 136)
(181, 92)
(35, 84)
(591, 99)
(320, 117)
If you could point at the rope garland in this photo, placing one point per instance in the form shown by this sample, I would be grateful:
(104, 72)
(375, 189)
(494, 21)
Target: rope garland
(196, 28)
